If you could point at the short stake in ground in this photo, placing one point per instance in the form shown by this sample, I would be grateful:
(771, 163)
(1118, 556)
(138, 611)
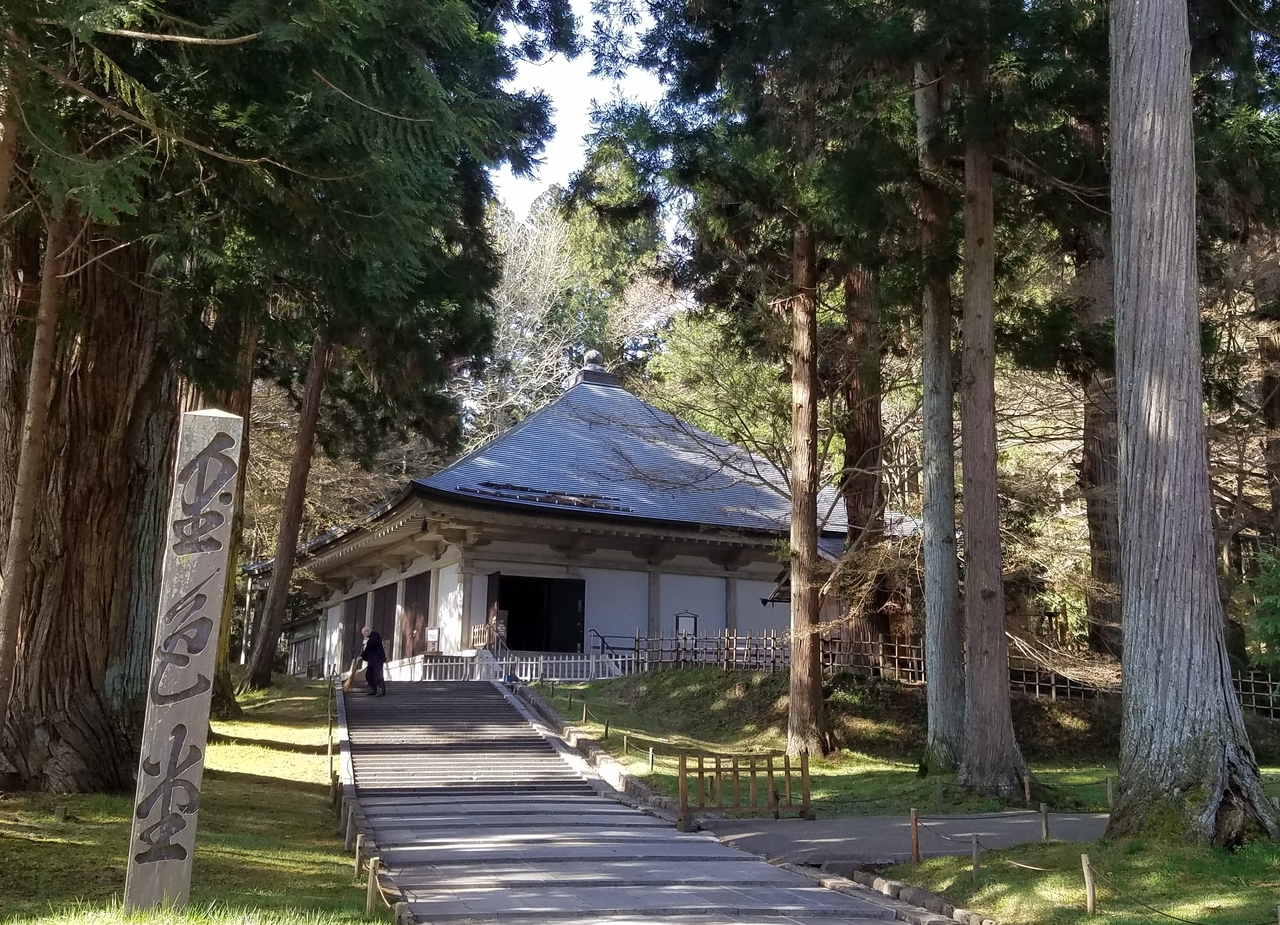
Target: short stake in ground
(176, 729)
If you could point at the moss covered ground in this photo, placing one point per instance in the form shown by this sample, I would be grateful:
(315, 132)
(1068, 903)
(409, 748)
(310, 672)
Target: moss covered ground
(266, 852)
(1072, 748)
(1136, 882)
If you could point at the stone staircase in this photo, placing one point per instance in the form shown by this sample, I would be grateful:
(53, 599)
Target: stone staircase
(478, 818)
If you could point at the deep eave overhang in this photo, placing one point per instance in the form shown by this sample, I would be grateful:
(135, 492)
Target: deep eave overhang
(372, 523)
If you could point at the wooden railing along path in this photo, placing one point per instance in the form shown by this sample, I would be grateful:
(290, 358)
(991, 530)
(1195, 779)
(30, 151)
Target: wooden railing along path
(742, 784)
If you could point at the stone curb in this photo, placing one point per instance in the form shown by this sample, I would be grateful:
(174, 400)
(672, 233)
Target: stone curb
(920, 907)
(608, 767)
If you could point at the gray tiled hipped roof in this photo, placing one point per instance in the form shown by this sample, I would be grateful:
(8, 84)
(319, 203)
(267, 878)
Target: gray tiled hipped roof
(600, 450)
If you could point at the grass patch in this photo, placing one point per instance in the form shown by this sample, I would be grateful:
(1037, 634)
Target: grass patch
(1200, 884)
(880, 724)
(266, 850)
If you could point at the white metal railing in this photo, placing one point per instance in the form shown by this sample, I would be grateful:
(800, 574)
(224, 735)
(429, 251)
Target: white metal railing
(527, 666)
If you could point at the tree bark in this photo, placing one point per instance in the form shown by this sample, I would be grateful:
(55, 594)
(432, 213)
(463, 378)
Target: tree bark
(1098, 474)
(26, 495)
(943, 629)
(991, 762)
(1187, 770)
(20, 295)
(264, 647)
(237, 401)
(8, 145)
(89, 605)
(1268, 309)
(862, 429)
(805, 726)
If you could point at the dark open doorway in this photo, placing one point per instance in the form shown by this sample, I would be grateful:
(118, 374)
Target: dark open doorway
(543, 614)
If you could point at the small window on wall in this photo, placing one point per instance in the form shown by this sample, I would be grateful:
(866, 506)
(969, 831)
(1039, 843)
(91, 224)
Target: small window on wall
(686, 623)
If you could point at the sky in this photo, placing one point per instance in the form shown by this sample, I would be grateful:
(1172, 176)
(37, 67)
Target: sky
(571, 88)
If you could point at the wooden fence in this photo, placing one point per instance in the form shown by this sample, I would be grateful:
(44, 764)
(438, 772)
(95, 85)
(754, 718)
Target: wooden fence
(1259, 693)
(742, 784)
(898, 657)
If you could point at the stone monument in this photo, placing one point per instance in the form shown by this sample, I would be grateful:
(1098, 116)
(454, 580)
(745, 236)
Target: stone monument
(196, 544)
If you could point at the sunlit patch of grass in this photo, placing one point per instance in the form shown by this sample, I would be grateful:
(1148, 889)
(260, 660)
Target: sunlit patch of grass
(266, 851)
(1201, 884)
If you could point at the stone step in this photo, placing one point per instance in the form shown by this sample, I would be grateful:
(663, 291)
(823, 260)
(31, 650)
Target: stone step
(479, 820)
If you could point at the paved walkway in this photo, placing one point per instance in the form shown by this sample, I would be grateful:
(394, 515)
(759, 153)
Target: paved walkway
(478, 817)
(887, 839)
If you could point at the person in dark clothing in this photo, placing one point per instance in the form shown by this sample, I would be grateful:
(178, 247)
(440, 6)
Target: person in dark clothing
(374, 658)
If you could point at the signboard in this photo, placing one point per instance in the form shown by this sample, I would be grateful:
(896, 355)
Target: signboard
(193, 580)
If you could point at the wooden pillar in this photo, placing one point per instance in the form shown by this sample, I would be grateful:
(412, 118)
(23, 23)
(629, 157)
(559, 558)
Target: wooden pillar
(397, 625)
(433, 600)
(731, 604)
(466, 575)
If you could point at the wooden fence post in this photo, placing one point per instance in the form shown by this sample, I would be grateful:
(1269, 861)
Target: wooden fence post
(371, 889)
(1090, 898)
(650, 759)
(1044, 821)
(806, 808)
(915, 839)
(682, 776)
(977, 857)
(359, 848)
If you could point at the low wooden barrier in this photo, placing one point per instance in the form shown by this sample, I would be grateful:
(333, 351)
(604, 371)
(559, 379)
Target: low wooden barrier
(722, 777)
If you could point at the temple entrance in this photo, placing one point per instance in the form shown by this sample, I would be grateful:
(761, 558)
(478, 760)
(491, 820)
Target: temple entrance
(542, 614)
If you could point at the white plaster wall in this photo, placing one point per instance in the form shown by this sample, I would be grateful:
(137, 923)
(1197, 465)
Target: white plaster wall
(449, 612)
(757, 618)
(696, 594)
(332, 638)
(617, 603)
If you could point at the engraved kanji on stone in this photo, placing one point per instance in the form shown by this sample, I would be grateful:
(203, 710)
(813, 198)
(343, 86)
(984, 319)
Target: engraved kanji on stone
(175, 797)
(191, 637)
(200, 483)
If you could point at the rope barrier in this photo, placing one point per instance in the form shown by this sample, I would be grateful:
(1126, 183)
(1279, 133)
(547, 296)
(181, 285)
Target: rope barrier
(1168, 915)
(890, 796)
(1120, 894)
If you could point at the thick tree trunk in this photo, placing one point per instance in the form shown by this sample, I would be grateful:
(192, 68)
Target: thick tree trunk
(1095, 274)
(21, 287)
(863, 430)
(1098, 475)
(1187, 770)
(264, 647)
(238, 401)
(943, 629)
(26, 494)
(1269, 398)
(991, 762)
(805, 726)
(90, 601)
(8, 146)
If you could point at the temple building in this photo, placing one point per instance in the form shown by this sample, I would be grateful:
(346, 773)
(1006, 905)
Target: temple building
(596, 519)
